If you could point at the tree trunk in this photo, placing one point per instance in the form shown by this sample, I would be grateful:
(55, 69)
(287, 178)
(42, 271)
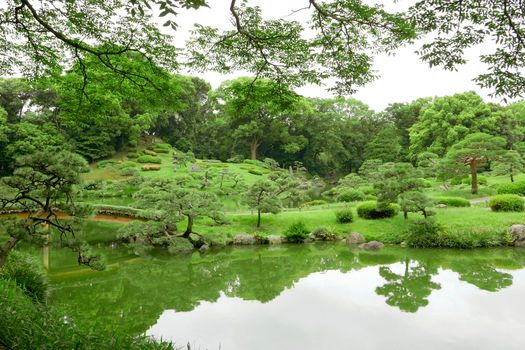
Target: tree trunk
(11, 243)
(474, 177)
(189, 229)
(511, 175)
(253, 149)
(424, 213)
(405, 215)
(258, 217)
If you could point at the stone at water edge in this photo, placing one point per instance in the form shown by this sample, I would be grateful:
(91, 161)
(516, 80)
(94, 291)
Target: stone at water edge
(441, 206)
(244, 239)
(355, 238)
(204, 248)
(372, 245)
(517, 231)
(403, 244)
(275, 240)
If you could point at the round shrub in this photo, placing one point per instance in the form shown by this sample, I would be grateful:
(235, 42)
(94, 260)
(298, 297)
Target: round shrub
(149, 153)
(456, 181)
(129, 172)
(482, 180)
(149, 159)
(512, 188)
(368, 190)
(344, 216)
(506, 202)
(26, 273)
(255, 172)
(369, 210)
(453, 201)
(323, 234)
(425, 183)
(150, 168)
(161, 150)
(297, 232)
(132, 155)
(127, 164)
(351, 196)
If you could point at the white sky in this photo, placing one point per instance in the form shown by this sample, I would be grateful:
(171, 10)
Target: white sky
(403, 77)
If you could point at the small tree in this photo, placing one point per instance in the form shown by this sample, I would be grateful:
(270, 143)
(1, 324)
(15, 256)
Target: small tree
(370, 169)
(475, 150)
(42, 187)
(396, 179)
(427, 162)
(414, 201)
(263, 196)
(509, 163)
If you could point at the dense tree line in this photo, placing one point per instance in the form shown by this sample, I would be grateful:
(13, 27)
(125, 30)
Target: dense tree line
(244, 118)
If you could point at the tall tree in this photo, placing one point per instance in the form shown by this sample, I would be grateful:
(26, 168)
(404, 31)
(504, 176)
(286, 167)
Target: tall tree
(384, 146)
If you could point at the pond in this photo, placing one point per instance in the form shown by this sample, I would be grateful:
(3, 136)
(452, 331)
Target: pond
(312, 296)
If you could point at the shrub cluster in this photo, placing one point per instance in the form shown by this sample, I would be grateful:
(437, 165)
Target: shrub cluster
(314, 203)
(506, 202)
(370, 210)
(129, 172)
(149, 159)
(453, 201)
(132, 155)
(297, 232)
(149, 152)
(351, 195)
(150, 168)
(512, 188)
(162, 148)
(323, 234)
(107, 162)
(344, 216)
(255, 172)
(423, 233)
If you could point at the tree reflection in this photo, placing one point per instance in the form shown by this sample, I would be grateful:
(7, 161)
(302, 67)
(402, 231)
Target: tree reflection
(408, 291)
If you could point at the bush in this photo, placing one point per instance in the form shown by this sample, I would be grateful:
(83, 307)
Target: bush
(149, 159)
(105, 163)
(369, 210)
(482, 180)
(161, 150)
(425, 183)
(127, 164)
(453, 201)
(351, 196)
(150, 168)
(255, 172)
(314, 203)
(512, 188)
(323, 234)
(344, 216)
(149, 153)
(506, 202)
(423, 233)
(132, 155)
(456, 181)
(368, 190)
(129, 172)
(27, 273)
(235, 159)
(297, 232)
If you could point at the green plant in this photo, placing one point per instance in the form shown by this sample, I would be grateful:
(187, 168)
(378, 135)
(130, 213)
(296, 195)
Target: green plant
(129, 172)
(453, 201)
(344, 216)
(149, 159)
(323, 234)
(27, 273)
(314, 203)
(423, 233)
(105, 163)
(351, 195)
(132, 155)
(150, 168)
(255, 172)
(370, 210)
(297, 232)
(149, 152)
(512, 188)
(127, 164)
(482, 180)
(506, 202)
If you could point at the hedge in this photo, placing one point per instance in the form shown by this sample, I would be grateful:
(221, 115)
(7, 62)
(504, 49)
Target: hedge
(506, 202)
(512, 188)
(149, 159)
(453, 201)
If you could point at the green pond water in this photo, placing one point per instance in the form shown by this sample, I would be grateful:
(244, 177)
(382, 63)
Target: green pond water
(313, 296)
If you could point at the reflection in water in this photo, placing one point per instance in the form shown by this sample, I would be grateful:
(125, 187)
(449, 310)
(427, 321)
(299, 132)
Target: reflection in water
(262, 282)
(407, 291)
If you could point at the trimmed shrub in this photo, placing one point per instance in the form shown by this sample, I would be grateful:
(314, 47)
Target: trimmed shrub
(370, 197)
(506, 202)
(351, 196)
(297, 232)
(235, 159)
(368, 190)
(132, 155)
(161, 150)
(314, 203)
(24, 270)
(370, 211)
(129, 171)
(423, 233)
(425, 183)
(344, 216)
(482, 180)
(456, 181)
(127, 164)
(149, 159)
(255, 172)
(512, 188)
(453, 201)
(150, 168)
(105, 163)
(149, 153)
(323, 234)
